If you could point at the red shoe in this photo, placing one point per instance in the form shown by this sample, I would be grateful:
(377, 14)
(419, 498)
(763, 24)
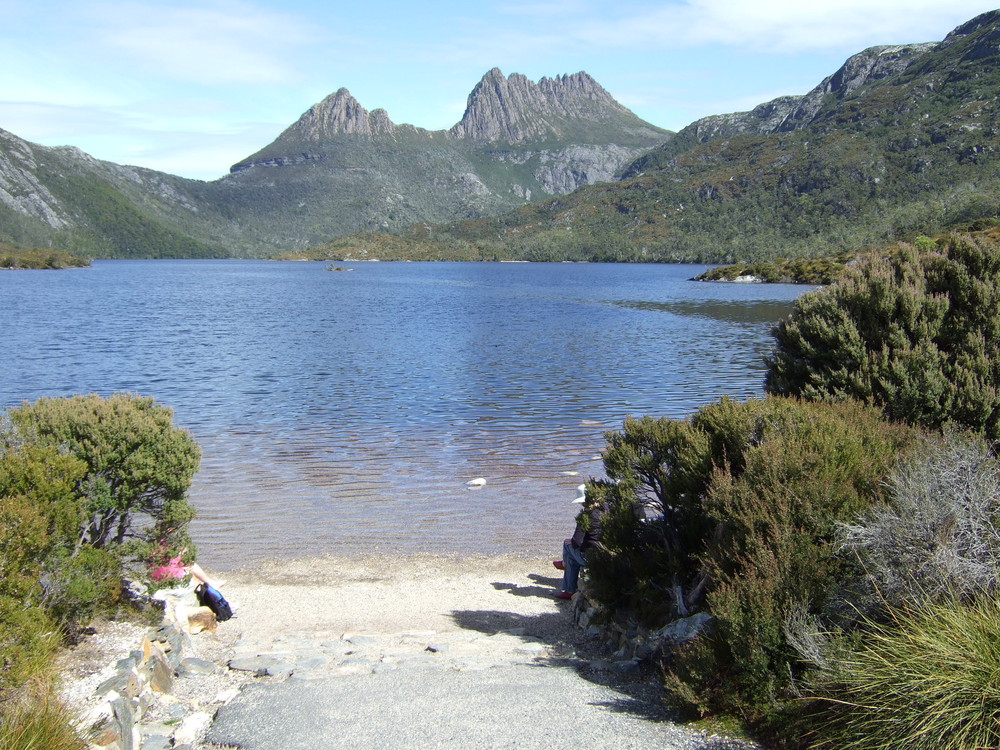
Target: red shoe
(559, 565)
(564, 595)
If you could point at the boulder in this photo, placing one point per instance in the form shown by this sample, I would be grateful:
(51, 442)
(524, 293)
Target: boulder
(201, 618)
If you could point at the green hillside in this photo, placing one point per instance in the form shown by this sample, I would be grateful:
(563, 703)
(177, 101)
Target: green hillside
(914, 152)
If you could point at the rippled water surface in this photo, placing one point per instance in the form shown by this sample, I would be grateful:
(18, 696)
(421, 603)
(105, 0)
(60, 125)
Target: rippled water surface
(345, 411)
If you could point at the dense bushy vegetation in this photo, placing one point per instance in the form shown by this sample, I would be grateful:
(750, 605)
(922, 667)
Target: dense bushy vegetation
(929, 616)
(85, 484)
(744, 502)
(843, 538)
(815, 271)
(916, 334)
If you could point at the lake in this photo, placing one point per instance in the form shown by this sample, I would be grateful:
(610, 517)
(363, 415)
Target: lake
(344, 412)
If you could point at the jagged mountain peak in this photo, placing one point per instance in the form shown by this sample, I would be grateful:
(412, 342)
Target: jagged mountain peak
(340, 113)
(515, 109)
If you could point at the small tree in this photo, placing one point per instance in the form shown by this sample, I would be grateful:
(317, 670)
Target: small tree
(917, 335)
(139, 465)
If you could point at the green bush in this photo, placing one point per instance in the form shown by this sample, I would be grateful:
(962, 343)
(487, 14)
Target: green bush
(916, 334)
(83, 481)
(76, 587)
(28, 642)
(925, 680)
(747, 500)
(139, 466)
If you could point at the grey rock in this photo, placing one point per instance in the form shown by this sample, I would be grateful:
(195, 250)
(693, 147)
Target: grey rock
(156, 742)
(129, 662)
(124, 721)
(686, 628)
(195, 667)
(362, 641)
(310, 663)
(176, 710)
(125, 683)
(262, 666)
(158, 672)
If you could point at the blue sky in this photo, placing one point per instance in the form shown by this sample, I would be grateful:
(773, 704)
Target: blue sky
(192, 87)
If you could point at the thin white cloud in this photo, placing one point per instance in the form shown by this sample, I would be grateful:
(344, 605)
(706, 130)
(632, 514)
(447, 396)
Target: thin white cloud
(215, 42)
(787, 26)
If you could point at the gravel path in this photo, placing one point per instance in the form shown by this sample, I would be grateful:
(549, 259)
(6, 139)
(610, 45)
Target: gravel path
(418, 652)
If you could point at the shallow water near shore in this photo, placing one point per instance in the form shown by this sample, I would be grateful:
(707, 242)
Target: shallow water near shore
(344, 412)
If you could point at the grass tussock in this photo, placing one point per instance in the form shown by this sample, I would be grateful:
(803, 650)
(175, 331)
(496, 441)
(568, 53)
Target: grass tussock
(926, 680)
(35, 719)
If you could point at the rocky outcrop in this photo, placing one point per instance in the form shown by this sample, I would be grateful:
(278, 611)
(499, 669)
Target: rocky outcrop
(793, 112)
(565, 170)
(516, 110)
(20, 188)
(338, 114)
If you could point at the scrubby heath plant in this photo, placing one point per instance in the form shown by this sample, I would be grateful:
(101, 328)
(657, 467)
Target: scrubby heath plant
(937, 538)
(920, 669)
(38, 258)
(85, 484)
(916, 334)
(744, 502)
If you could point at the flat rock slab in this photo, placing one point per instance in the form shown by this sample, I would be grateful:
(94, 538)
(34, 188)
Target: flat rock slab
(513, 706)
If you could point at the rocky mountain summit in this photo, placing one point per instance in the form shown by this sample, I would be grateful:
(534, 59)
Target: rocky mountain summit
(339, 168)
(515, 110)
(900, 141)
(547, 138)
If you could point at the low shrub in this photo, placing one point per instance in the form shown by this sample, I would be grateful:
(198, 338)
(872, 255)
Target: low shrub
(28, 641)
(936, 537)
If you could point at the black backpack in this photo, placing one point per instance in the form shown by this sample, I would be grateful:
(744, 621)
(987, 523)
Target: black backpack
(214, 600)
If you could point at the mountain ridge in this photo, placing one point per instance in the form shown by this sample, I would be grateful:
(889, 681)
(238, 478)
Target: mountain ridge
(901, 138)
(339, 168)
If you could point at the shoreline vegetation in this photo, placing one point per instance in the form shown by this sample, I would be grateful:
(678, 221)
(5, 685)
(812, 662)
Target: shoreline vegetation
(12, 258)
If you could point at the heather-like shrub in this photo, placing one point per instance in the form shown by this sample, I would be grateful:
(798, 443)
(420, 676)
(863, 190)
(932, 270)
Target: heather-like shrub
(654, 525)
(916, 334)
(139, 465)
(28, 641)
(747, 500)
(82, 481)
(808, 467)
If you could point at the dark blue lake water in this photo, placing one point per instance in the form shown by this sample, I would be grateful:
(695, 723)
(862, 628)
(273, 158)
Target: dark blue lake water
(344, 412)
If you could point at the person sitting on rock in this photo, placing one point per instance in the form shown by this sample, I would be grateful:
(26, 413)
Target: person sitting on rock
(586, 536)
